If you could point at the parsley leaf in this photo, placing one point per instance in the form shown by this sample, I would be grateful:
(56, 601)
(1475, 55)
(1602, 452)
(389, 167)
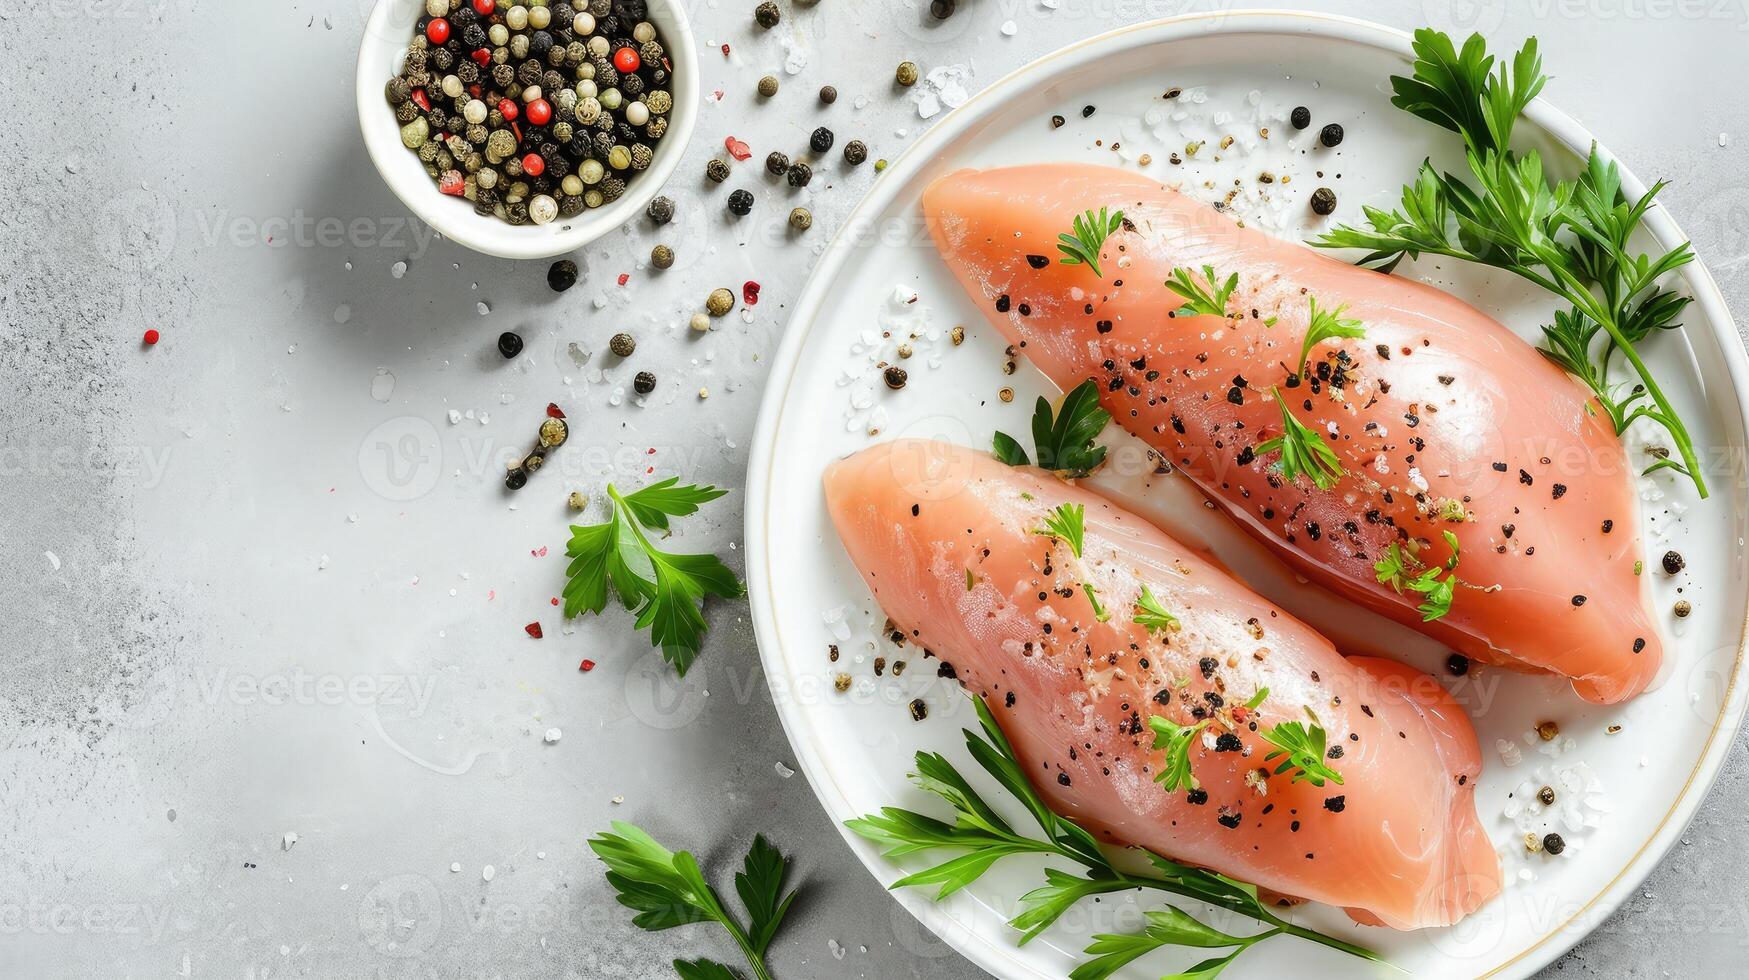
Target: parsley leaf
(981, 838)
(1570, 237)
(1301, 749)
(1099, 611)
(1207, 298)
(1090, 232)
(665, 590)
(668, 889)
(1327, 325)
(1394, 570)
(1302, 450)
(1064, 440)
(1151, 615)
(1067, 522)
(1169, 926)
(1177, 741)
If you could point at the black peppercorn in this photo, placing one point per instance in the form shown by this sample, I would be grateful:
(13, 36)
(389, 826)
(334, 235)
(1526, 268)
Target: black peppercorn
(821, 141)
(828, 95)
(622, 345)
(1457, 665)
(776, 163)
(941, 9)
(741, 203)
(766, 15)
(1058, 122)
(1331, 135)
(562, 275)
(660, 211)
(1673, 562)
(516, 479)
(800, 174)
(896, 377)
(919, 709)
(509, 344)
(1323, 201)
(855, 152)
(1301, 117)
(1554, 844)
(644, 383)
(717, 170)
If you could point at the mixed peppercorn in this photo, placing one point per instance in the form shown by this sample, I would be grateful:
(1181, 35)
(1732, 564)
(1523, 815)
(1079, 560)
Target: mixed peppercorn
(533, 112)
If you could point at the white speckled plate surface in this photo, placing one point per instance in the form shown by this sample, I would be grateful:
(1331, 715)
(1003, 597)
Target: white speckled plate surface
(1625, 796)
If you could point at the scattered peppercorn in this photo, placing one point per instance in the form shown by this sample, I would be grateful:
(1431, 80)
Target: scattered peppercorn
(941, 9)
(766, 15)
(855, 152)
(662, 257)
(562, 275)
(821, 140)
(1331, 135)
(622, 345)
(828, 95)
(919, 709)
(516, 478)
(1683, 609)
(1457, 665)
(700, 322)
(644, 383)
(741, 203)
(1673, 562)
(801, 219)
(717, 170)
(1323, 201)
(1546, 796)
(509, 344)
(1554, 844)
(896, 377)
(800, 174)
(906, 74)
(1301, 117)
(776, 162)
(1058, 122)
(720, 302)
(661, 210)
(1547, 730)
(768, 86)
(1336, 804)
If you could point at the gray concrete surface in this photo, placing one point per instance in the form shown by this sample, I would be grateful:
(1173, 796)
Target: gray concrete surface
(228, 561)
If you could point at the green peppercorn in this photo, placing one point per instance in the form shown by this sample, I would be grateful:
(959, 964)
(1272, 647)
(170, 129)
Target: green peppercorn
(644, 383)
(622, 345)
(768, 86)
(801, 219)
(855, 152)
(717, 170)
(662, 257)
(906, 74)
(719, 302)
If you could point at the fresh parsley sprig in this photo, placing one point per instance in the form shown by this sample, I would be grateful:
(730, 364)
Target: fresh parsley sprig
(1326, 324)
(1301, 748)
(1064, 442)
(1206, 298)
(1090, 230)
(982, 837)
(1151, 614)
(1302, 450)
(1397, 571)
(1099, 611)
(664, 589)
(668, 889)
(1170, 926)
(1569, 237)
(1176, 741)
(1067, 524)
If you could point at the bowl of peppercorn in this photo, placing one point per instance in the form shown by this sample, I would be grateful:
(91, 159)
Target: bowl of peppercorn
(526, 129)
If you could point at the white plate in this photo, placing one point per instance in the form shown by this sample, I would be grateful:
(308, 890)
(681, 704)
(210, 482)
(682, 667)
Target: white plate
(856, 747)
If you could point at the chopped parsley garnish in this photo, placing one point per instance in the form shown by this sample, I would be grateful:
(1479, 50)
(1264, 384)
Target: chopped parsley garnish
(1064, 442)
(1325, 325)
(1302, 450)
(1394, 570)
(663, 588)
(1301, 748)
(1067, 522)
(1176, 740)
(668, 889)
(1090, 230)
(1570, 237)
(1099, 611)
(1151, 615)
(1207, 298)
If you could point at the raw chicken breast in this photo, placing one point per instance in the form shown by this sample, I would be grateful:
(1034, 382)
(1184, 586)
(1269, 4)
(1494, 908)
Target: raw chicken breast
(1442, 419)
(1397, 842)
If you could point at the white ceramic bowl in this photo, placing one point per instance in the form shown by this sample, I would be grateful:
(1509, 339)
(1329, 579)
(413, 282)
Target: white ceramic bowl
(386, 36)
